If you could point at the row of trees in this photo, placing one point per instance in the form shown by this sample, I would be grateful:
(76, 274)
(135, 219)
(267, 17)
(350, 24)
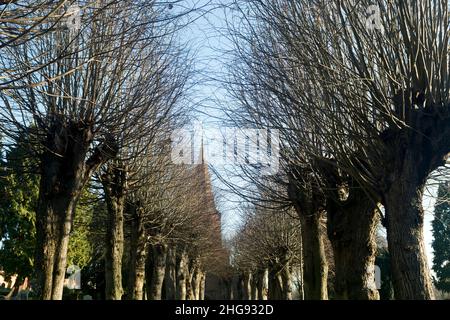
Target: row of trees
(90, 92)
(359, 93)
(267, 255)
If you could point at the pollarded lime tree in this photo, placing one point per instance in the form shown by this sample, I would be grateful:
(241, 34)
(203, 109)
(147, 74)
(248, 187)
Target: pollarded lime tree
(19, 185)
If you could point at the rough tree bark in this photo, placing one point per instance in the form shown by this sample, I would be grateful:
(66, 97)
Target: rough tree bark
(310, 207)
(182, 274)
(352, 225)
(170, 287)
(228, 284)
(64, 173)
(410, 272)
(114, 186)
(298, 284)
(247, 285)
(286, 278)
(159, 252)
(197, 276)
(411, 155)
(275, 284)
(404, 223)
(352, 232)
(202, 286)
(138, 253)
(314, 259)
(263, 284)
(352, 219)
(254, 286)
(190, 290)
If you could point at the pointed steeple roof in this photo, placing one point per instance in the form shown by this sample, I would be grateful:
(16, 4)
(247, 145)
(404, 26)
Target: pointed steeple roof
(205, 181)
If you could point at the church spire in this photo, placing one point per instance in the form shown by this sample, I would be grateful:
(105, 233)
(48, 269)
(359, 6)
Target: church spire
(201, 154)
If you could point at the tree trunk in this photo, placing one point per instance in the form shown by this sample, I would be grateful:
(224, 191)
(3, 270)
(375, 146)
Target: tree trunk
(45, 253)
(202, 286)
(197, 282)
(55, 211)
(352, 219)
(247, 285)
(240, 287)
(189, 288)
(254, 286)
(114, 185)
(298, 276)
(228, 284)
(182, 275)
(315, 267)
(52, 244)
(263, 284)
(275, 285)
(309, 204)
(64, 173)
(138, 252)
(404, 215)
(171, 275)
(159, 252)
(286, 277)
(61, 253)
(190, 294)
(149, 266)
(352, 231)
(411, 154)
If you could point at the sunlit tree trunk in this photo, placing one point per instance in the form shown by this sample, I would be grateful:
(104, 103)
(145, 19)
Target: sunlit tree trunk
(310, 207)
(352, 227)
(171, 275)
(263, 284)
(64, 173)
(254, 286)
(159, 252)
(202, 286)
(197, 280)
(182, 275)
(404, 223)
(410, 157)
(114, 185)
(138, 253)
(352, 220)
(286, 277)
(315, 266)
(247, 285)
